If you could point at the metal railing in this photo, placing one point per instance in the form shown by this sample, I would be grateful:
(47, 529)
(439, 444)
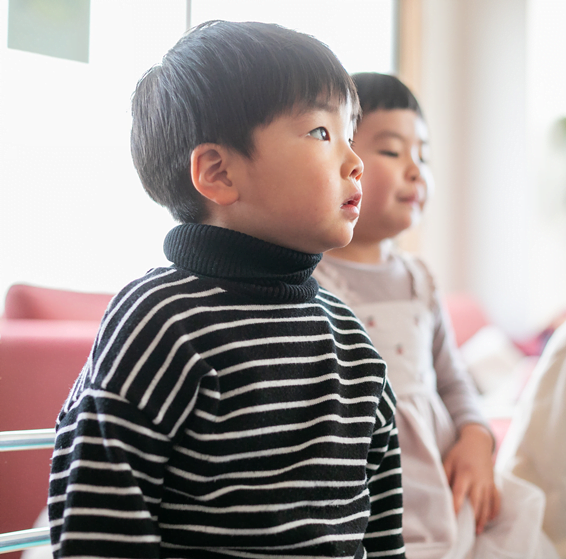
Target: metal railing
(25, 440)
(23, 539)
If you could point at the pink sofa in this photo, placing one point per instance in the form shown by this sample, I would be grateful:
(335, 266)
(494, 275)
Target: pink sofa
(466, 314)
(45, 338)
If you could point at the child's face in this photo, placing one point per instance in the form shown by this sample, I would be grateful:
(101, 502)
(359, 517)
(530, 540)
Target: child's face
(301, 187)
(393, 146)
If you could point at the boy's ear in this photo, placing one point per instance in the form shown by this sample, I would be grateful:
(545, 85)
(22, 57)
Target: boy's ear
(211, 173)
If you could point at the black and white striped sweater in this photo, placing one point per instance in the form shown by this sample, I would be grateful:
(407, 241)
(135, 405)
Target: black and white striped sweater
(228, 409)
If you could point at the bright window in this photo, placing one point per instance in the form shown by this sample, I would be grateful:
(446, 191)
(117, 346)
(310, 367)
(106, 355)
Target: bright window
(362, 33)
(72, 211)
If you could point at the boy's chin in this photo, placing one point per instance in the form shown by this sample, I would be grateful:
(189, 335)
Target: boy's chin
(345, 240)
(324, 242)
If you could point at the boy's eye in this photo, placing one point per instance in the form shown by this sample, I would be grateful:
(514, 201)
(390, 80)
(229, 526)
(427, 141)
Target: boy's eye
(389, 153)
(320, 133)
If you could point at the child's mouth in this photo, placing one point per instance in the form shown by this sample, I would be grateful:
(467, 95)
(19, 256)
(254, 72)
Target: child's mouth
(412, 200)
(352, 205)
(353, 201)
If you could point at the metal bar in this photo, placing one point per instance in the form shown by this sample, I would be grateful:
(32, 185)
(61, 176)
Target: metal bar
(23, 539)
(188, 17)
(27, 440)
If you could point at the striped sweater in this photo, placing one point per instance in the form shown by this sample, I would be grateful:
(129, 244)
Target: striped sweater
(228, 408)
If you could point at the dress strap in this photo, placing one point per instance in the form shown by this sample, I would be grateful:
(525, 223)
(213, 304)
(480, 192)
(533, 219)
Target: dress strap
(422, 282)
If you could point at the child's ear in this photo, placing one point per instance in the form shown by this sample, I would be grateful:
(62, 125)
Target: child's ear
(211, 173)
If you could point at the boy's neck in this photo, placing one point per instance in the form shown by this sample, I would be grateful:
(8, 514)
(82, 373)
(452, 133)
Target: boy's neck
(364, 253)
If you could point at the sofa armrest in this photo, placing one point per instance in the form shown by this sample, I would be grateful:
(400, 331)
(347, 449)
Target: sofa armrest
(39, 362)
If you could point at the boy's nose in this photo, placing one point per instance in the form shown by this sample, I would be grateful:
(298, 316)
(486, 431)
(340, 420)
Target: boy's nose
(357, 166)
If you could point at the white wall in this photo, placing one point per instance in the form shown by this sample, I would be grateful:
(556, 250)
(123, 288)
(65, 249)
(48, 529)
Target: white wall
(439, 95)
(485, 231)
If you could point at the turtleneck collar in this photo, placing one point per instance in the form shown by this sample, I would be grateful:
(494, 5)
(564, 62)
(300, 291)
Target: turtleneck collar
(250, 265)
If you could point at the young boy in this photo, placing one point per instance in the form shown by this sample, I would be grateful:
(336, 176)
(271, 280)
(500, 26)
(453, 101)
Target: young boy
(229, 408)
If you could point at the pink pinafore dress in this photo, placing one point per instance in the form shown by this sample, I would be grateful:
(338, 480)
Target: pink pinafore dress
(402, 331)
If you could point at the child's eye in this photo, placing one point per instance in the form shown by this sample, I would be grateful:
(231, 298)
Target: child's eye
(320, 133)
(389, 153)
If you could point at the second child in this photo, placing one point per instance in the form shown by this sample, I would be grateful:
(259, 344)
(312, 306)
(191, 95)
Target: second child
(451, 502)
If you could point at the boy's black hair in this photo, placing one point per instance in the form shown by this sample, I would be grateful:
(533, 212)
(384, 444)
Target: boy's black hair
(217, 84)
(383, 91)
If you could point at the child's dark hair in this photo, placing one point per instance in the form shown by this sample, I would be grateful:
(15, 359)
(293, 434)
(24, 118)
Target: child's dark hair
(217, 84)
(383, 91)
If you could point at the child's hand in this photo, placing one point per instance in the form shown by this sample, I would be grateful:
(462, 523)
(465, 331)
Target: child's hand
(469, 469)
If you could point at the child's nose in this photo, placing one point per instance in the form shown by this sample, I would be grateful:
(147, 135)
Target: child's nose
(356, 166)
(414, 170)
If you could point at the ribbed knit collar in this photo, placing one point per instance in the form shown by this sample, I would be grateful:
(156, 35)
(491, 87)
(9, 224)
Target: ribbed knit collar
(251, 265)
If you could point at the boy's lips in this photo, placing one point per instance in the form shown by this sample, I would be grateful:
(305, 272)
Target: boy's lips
(352, 204)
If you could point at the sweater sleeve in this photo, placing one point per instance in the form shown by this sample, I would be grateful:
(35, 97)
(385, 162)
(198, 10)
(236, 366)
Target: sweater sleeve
(384, 534)
(454, 384)
(106, 480)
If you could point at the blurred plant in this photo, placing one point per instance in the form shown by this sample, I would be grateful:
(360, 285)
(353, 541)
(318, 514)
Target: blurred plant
(557, 139)
(558, 132)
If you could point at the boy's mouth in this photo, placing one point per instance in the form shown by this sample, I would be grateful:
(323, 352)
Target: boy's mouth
(352, 206)
(353, 201)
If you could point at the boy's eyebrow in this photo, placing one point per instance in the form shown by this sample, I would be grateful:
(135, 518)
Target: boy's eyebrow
(316, 106)
(325, 106)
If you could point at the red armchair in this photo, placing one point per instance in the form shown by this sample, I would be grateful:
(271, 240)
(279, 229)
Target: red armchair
(45, 338)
